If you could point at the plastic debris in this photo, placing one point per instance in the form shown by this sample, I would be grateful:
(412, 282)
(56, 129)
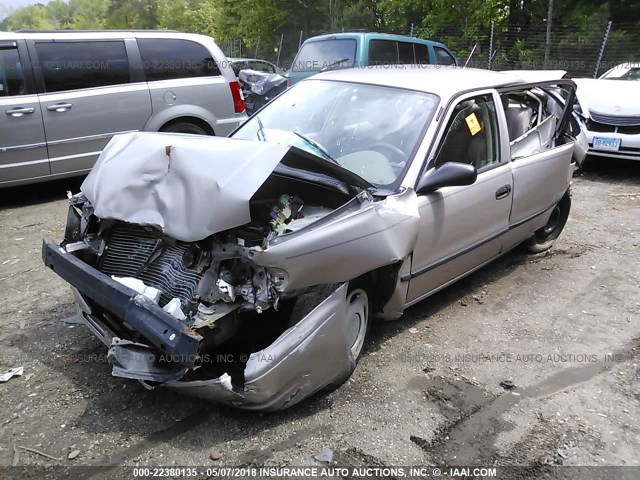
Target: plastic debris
(325, 455)
(138, 285)
(174, 307)
(13, 372)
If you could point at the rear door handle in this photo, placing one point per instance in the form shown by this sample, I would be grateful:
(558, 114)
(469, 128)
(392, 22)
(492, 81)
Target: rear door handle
(60, 107)
(503, 192)
(18, 112)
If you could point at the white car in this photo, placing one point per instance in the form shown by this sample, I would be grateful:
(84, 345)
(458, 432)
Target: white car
(624, 71)
(609, 111)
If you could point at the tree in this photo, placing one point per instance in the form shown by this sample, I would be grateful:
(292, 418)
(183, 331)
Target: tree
(34, 17)
(131, 14)
(197, 16)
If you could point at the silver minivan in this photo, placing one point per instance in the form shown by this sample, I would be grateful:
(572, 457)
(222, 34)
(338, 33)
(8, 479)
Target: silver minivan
(64, 94)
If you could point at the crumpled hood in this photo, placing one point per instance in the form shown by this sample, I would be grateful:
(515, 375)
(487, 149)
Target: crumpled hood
(620, 98)
(189, 186)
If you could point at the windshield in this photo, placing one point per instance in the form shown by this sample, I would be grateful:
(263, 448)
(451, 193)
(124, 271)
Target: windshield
(325, 54)
(367, 129)
(622, 73)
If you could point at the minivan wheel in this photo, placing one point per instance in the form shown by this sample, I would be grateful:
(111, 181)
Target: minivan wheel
(184, 127)
(544, 237)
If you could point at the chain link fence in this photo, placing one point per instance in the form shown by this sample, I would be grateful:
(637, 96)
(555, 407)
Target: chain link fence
(581, 50)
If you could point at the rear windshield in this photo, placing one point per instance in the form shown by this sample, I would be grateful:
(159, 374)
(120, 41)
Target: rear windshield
(325, 54)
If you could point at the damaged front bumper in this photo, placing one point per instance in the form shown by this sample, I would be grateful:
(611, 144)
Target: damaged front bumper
(303, 359)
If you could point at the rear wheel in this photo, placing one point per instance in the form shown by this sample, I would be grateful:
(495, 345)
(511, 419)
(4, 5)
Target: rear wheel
(184, 127)
(544, 237)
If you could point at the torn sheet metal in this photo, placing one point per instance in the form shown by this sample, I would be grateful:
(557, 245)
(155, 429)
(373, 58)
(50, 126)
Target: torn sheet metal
(189, 186)
(139, 361)
(306, 357)
(9, 374)
(377, 234)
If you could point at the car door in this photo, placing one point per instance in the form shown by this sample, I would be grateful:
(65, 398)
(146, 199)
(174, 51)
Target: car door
(184, 80)
(23, 149)
(87, 96)
(461, 227)
(540, 163)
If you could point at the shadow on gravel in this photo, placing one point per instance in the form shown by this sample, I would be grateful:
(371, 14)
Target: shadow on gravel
(38, 192)
(607, 170)
(503, 266)
(161, 416)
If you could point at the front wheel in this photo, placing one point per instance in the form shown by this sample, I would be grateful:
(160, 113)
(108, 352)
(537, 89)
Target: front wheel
(358, 306)
(544, 237)
(358, 318)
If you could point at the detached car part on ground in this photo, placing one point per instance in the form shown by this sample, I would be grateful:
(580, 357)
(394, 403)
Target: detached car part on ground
(247, 269)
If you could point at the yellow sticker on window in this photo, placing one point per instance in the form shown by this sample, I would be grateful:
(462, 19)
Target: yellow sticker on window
(473, 123)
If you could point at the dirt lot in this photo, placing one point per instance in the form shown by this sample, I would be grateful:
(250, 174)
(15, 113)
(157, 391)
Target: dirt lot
(563, 326)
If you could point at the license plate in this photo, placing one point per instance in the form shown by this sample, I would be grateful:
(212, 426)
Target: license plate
(605, 143)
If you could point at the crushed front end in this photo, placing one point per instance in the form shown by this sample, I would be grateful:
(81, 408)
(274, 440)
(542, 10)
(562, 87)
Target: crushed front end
(201, 314)
(226, 283)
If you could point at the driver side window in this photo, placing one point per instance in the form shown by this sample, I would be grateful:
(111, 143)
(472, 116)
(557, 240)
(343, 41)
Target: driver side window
(471, 136)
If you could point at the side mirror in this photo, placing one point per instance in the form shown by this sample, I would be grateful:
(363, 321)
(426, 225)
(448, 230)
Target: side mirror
(450, 174)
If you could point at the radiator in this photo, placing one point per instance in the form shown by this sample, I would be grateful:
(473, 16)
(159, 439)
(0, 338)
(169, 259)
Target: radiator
(130, 246)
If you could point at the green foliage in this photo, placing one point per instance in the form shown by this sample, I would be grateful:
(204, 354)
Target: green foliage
(131, 14)
(196, 16)
(257, 27)
(32, 17)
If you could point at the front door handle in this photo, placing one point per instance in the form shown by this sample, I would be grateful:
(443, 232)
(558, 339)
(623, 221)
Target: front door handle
(19, 112)
(503, 192)
(60, 107)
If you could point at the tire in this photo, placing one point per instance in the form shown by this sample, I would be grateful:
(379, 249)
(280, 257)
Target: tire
(544, 237)
(359, 309)
(184, 127)
(358, 318)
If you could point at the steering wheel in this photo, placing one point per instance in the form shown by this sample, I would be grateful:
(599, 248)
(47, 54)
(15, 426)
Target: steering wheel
(397, 156)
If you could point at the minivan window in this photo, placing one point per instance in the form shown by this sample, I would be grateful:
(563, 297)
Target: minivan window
(75, 65)
(405, 53)
(11, 73)
(325, 54)
(422, 53)
(443, 57)
(383, 52)
(171, 58)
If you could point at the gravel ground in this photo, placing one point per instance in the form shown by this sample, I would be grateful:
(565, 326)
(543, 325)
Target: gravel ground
(562, 326)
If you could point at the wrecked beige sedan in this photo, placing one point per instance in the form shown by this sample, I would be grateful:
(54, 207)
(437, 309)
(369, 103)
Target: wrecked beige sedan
(247, 269)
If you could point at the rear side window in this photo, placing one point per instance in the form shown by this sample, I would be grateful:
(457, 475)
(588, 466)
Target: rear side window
(11, 73)
(383, 52)
(325, 54)
(405, 53)
(76, 65)
(422, 53)
(443, 57)
(169, 58)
